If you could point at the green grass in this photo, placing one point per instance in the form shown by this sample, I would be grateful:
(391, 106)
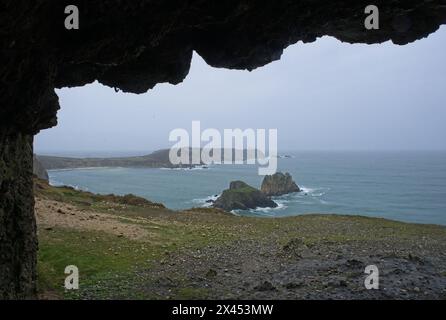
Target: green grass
(96, 254)
(109, 264)
(246, 189)
(101, 256)
(88, 200)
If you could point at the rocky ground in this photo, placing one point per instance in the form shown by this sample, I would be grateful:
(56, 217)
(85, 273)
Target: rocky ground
(265, 270)
(130, 251)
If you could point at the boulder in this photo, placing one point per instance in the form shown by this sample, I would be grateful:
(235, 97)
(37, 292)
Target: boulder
(242, 196)
(278, 184)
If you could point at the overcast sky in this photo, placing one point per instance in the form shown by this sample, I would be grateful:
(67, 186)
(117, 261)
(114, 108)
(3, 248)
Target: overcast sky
(325, 95)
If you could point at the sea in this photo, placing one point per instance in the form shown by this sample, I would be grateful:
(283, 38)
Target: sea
(407, 186)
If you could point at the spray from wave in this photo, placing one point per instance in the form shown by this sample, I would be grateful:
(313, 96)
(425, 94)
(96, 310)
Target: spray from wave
(206, 202)
(56, 183)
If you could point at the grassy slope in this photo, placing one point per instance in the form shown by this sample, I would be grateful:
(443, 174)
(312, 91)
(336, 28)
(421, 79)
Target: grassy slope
(109, 264)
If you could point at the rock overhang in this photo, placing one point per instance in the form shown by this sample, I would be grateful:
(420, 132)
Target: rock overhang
(134, 45)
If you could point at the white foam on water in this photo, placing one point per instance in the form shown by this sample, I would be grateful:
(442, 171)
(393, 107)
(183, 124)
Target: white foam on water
(268, 210)
(313, 192)
(204, 202)
(55, 183)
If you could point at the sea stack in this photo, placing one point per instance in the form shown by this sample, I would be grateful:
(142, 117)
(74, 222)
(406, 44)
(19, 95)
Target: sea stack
(242, 196)
(278, 184)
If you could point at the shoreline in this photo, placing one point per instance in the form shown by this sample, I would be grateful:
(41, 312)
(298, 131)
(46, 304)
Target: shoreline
(253, 213)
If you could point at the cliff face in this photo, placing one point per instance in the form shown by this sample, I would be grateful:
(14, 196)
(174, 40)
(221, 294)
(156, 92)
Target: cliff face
(132, 46)
(278, 184)
(38, 170)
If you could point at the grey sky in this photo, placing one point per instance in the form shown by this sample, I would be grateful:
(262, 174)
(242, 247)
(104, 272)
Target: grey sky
(324, 95)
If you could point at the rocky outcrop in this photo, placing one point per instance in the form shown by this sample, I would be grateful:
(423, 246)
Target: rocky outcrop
(38, 170)
(243, 197)
(278, 184)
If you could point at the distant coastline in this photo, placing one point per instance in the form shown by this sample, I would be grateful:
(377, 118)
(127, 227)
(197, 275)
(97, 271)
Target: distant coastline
(404, 186)
(156, 159)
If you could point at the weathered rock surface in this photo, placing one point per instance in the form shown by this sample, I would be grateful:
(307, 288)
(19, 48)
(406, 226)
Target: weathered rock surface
(242, 196)
(18, 239)
(278, 184)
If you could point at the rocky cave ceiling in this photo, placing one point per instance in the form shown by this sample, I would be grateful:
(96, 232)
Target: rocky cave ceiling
(133, 45)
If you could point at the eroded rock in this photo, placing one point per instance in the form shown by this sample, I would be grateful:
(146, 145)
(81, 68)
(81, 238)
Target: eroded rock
(279, 184)
(243, 197)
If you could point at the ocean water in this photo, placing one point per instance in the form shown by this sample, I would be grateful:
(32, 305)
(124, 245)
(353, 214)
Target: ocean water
(405, 186)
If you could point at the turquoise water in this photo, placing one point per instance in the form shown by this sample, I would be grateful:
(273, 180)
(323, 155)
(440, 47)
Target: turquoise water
(405, 186)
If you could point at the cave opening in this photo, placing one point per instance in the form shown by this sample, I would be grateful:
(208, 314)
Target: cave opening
(39, 55)
(347, 108)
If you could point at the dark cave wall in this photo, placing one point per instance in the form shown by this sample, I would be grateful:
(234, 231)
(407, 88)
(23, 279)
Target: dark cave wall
(133, 45)
(18, 240)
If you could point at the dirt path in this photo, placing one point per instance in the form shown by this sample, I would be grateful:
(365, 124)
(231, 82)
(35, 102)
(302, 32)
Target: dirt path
(51, 214)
